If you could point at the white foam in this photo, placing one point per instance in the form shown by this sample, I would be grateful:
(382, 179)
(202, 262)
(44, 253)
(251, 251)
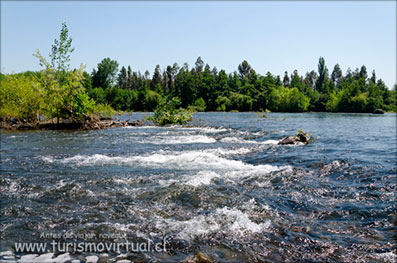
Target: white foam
(6, 253)
(225, 220)
(180, 139)
(387, 256)
(48, 257)
(177, 127)
(207, 129)
(236, 140)
(167, 182)
(44, 258)
(188, 160)
(143, 127)
(47, 159)
(91, 259)
(226, 152)
(28, 258)
(201, 178)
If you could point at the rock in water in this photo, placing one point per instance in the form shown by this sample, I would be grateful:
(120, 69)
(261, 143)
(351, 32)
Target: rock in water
(378, 111)
(199, 258)
(301, 137)
(288, 140)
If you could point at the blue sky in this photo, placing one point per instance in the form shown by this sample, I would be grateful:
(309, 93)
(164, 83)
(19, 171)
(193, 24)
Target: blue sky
(271, 36)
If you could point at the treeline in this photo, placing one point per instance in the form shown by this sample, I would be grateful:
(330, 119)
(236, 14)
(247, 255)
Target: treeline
(203, 88)
(60, 93)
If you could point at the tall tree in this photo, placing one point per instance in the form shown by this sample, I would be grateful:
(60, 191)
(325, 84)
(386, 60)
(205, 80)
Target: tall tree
(373, 77)
(129, 78)
(105, 75)
(322, 80)
(199, 65)
(244, 69)
(122, 78)
(310, 79)
(156, 80)
(63, 91)
(336, 75)
(286, 80)
(363, 72)
(61, 50)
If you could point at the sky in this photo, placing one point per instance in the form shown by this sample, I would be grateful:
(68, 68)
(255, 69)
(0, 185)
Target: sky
(272, 36)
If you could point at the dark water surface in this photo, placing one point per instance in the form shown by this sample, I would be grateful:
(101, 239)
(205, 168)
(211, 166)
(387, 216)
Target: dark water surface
(223, 187)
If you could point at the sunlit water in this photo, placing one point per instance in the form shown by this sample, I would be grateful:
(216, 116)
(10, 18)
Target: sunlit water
(221, 186)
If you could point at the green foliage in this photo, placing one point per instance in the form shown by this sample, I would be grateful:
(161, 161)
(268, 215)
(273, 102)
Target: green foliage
(240, 102)
(58, 92)
(168, 113)
(288, 100)
(222, 103)
(202, 88)
(151, 100)
(61, 50)
(55, 92)
(199, 104)
(105, 76)
(104, 111)
(21, 98)
(82, 105)
(99, 95)
(63, 93)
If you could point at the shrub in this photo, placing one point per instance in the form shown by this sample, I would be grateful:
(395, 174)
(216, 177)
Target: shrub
(21, 97)
(167, 113)
(104, 111)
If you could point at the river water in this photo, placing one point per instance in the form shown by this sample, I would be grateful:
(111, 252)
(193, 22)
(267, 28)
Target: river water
(221, 186)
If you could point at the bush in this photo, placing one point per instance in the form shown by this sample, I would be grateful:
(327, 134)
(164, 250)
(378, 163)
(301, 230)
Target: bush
(167, 113)
(288, 100)
(200, 105)
(104, 111)
(240, 102)
(21, 97)
(222, 102)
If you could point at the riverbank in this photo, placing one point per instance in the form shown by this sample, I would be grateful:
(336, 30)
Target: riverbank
(87, 125)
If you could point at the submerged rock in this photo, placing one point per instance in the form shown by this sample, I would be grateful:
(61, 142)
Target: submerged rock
(378, 111)
(199, 258)
(301, 137)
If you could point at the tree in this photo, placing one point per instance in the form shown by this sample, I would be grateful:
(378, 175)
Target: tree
(129, 78)
(61, 50)
(363, 72)
(122, 79)
(373, 77)
(156, 80)
(63, 91)
(105, 75)
(199, 65)
(336, 75)
(244, 69)
(310, 79)
(322, 80)
(21, 98)
(286, 79)
(65, 98)
(296, 81)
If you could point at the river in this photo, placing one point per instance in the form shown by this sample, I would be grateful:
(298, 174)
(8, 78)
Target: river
(220, 185)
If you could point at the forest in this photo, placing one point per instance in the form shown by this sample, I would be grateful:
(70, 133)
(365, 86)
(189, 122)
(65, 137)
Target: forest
(60, 92)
